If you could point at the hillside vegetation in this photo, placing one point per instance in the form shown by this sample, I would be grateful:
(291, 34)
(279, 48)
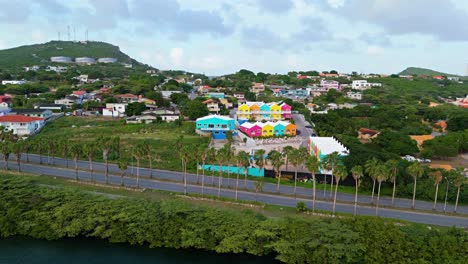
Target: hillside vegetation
(41, 53)
(422, 71)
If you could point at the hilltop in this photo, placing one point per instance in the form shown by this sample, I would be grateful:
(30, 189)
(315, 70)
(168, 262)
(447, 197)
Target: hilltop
(38, 54)
(423, 71)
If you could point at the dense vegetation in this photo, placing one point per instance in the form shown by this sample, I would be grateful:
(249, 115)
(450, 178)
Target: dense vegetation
(40, 53)
(39, 211)
(422, 71)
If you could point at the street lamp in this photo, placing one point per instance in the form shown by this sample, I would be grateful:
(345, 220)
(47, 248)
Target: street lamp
(446, 194)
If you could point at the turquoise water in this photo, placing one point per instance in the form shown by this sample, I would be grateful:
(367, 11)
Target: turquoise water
(21, 250)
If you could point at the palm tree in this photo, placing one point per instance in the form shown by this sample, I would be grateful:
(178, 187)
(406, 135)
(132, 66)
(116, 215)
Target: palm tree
(242, 160)
(370, 166)
(459, 180)
(139, 151)
(76, 150)
(107, 145)
(151, 156)
(259, 157)
(51, 145)
(340, 173)
(211, 155)
(88, 151)
(64, 147)
(276, 160)
(204, 152)
(221, 158)
(18, 148)
(230, 155)
(392, 167)
(258, 188)
(381, 175)
(298, 157)
(357, 173)
(287, 151)
(330, 161)
(28, 145)
(5, 148)
(313, 165)
(416, 171)
(185, 154)
(436, 176)
(39, 146)
(123, 165)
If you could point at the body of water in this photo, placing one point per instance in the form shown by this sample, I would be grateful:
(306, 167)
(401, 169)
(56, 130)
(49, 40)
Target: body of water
(19, 250)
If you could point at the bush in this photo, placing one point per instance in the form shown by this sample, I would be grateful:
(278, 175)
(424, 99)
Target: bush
(301, 207)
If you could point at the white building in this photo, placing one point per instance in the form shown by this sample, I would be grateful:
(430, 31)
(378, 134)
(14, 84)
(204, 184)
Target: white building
(167, 94)
(114, 110)
(21, 125)
(32, 68)
(363, 85)
(68, 101)
(354, 95)
(61, 59)
(57, 69)
(85, 60)
(13, 82)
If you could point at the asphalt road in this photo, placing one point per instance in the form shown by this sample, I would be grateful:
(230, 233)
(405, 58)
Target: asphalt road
(301, 124)
(171, 181)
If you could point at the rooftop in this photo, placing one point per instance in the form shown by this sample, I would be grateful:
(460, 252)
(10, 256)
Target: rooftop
(328, 145)
(227, 118)
(19, 119)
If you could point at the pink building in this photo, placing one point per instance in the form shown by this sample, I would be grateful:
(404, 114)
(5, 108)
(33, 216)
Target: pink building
(251, 129)
(327, 84)
(286, 111)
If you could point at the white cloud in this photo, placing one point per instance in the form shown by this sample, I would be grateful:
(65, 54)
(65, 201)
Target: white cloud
(176, 55)
(38, 36)
(374, 50)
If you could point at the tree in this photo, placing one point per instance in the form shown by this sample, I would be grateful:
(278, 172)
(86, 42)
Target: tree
(381, 172)
(459, 180)
(242, 160)
(416, 171)
(436, 176)
(6, 149)
(287, 151)
(312, 164)
(122, 164)
(276, 160)
(371, 166)
(151, 156)
(204, 152)
(51, 145)
(134, 109)
(258, 188)
(17, 149)
(211, 155)
(194, 109)
(298, 156)
(392, 167)
(139, 151)
(340, 174)
(64, 146)
(259, 157)
(107, 145)
(229, 154)
(330, 161)
(88, 151)
(185, 154)
(357, 173)
(76, 150)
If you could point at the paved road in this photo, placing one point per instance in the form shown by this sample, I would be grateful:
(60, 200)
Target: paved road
(250, 185)
(418, 217)
(301, 124)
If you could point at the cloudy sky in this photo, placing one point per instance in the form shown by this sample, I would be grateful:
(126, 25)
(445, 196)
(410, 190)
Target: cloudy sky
(222, 36)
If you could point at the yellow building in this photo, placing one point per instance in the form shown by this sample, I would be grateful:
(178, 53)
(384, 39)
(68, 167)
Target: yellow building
(267, 130)
(275, 112)
(243, 111)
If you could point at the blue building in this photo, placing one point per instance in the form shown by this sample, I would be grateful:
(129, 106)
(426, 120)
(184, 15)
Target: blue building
(216, 95)
(216, 125)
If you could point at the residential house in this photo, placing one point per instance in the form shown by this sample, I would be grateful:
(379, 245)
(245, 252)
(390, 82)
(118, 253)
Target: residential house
(286, 111)
(263, 111)
(21, 125)
(354, 95)
(5, 99)
(141, 119)
(226, 103)
(240, 97)
(363, 85)
(42, 113)
(15, 82)
(438, 77)
(127, 98)
(212, 105)
(216, 125)
(68, 101)
(52, 107)
(31, 68)
(203, 89)
(216, 95)
(442, 125)
(114, 110)
(268, 129)
(257, 88)
(57, 69)
(329, 84)
(243, 111)
(453, 78)
(251, 129)
(366, 134)
(167, 94)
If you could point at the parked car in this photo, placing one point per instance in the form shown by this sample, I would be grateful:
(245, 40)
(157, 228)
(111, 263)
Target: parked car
(298, 132)
(308, 126)
(409, 158)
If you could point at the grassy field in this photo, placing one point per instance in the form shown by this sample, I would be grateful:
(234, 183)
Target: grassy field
(161, 137)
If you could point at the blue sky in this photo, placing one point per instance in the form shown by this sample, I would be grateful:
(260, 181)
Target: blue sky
(222, 36)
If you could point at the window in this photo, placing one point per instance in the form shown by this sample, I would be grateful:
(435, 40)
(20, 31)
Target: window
(224, 126)
(211, 126)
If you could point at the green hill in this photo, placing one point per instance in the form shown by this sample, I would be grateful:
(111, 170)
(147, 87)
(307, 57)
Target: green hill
(423, 71)
(39, 54)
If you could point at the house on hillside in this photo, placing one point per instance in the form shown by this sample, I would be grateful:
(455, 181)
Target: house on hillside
(68, 101)
(114, 110)
(21, 125)
(257, 88)
(212, 105)
(354, 95)
(42, 113)
(127, 98)
(216, 125)
(365, 134)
